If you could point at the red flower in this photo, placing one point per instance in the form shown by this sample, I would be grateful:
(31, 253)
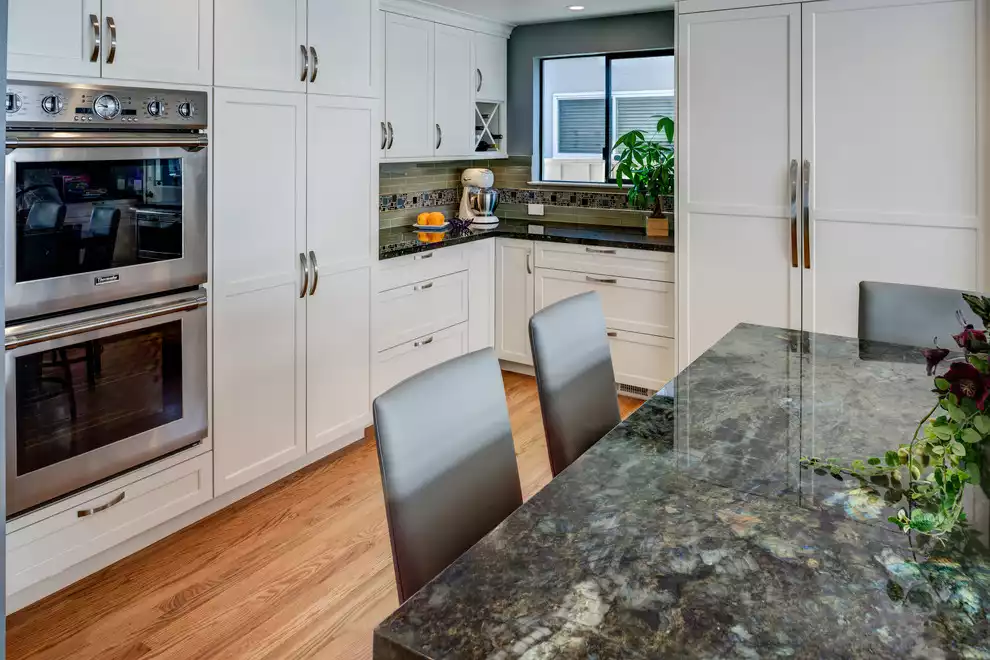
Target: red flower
(970, 339)
(933, 357)
(966, 382)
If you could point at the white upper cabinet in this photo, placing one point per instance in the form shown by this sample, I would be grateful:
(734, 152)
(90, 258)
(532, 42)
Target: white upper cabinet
(409, 85)
(490, 63)
(346, 37)
(262, 44)
(54, 36)
(453, 99)
(170, 42)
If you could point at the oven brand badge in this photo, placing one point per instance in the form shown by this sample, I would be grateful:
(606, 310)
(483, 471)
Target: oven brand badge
(106, 279)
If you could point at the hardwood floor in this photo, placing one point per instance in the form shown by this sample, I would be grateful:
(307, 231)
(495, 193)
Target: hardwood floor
(301, 569)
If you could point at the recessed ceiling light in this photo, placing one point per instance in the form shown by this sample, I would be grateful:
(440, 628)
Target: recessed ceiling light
(576, 7)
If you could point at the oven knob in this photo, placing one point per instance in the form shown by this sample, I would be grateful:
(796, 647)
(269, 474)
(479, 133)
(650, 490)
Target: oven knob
(156, 108)
(185, 109)
(13, 102)
(52, 104)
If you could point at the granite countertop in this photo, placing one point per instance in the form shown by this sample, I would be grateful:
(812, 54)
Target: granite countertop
(401, 241)
(690, 531)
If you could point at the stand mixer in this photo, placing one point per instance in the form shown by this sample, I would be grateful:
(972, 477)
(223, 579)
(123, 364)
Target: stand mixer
(480, 199)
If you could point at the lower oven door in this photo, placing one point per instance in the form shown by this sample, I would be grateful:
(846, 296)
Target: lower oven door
(95, 394)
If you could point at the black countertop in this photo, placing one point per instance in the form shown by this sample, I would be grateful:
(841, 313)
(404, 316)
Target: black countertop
(404, 240)
(690, 531)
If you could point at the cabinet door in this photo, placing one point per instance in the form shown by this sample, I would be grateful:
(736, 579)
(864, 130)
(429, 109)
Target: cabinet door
(514, 299)
(262, 44)
(453, 98)
(169, 42)
(736, 223)
(409, 86)
(54, 36)
(259, 315)
(338, 367)
(491, 62)
(346, 35)
(874, 72)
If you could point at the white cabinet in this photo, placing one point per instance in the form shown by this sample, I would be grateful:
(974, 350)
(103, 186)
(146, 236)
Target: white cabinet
(642, 360)
(480, 257)
(120, 39)
(453, 100)
(416, 310)
(409, 85)
(262, 44)
(515, 292)
(54, 36)
(259, 314)
(490, 63)
(406, 360)
(346, 36)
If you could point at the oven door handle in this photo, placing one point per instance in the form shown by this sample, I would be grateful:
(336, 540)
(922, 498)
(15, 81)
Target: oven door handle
(189, 142)
(60, 331)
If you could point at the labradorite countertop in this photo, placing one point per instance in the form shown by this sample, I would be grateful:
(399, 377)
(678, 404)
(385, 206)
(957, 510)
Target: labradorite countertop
(401, 241)
(690, 531)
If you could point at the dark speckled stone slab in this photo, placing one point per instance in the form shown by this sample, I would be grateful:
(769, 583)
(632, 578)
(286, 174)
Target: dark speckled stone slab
(691, 532)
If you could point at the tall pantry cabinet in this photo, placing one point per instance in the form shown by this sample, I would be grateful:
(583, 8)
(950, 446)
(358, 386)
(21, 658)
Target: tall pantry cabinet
(297, 116)
(853, 154)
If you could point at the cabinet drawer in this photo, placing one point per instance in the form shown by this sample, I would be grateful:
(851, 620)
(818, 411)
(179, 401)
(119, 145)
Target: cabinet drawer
(638, 264)
(641, 360)
(396, 365)
(54, 544)
(629, 304)
(402, 271)
(416, 310)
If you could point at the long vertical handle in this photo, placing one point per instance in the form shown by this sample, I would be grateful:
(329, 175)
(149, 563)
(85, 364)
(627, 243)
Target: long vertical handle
(316, 273)
(304, 267)
(529, 266)
(305, 68)
(112, 26)
(794, 214)
(316, 65)
(807, 214)
(439, 136)
(94, 20)
(481, 80)
(384, 137)
(391, 136)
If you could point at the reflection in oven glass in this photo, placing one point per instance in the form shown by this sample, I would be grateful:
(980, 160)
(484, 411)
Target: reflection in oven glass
(78, 398)
(79, 217)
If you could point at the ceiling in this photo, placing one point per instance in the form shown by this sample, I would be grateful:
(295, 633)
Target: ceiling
(519, 12)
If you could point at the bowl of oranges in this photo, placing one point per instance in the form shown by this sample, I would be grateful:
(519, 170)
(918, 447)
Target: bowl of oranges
(435, 222)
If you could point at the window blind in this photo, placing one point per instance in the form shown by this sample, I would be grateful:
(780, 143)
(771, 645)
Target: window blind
(580, 126)
(642, 113)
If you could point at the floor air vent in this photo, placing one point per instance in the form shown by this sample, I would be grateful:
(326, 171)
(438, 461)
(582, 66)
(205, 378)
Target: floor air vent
(636, 392)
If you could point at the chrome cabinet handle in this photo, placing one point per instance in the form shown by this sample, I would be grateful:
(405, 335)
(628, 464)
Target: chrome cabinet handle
(794, 214)
(594, 251)
(316, 65)
(391, 136)
(305, 69)
(384, 137)
(112, 26)
(481, 80)
(94, 20)
(425, 342)
(439, 136)
(529, 266)
(612, 334)
(83, 513)
(428, 255)
(807, 214)
(602, 280)
(423, 287)
(316, 272)
(304, 266)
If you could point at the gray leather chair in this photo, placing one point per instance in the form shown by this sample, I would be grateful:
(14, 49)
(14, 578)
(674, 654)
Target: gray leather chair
(574, 376)
(910, 315)
(448, 464)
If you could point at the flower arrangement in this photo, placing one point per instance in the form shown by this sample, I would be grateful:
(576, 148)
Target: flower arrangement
(928, 477)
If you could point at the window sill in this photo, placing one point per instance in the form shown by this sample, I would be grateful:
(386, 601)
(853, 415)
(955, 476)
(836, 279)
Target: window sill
(577, 184)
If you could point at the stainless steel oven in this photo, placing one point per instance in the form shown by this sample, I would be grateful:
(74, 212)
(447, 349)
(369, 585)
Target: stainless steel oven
(106, 195)
(93, 394)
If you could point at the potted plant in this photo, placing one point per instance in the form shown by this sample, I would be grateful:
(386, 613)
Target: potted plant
(647, 165)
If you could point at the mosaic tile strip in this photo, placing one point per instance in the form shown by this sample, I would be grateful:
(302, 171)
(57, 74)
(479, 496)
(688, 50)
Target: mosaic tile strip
(446, 196)
(419, 200)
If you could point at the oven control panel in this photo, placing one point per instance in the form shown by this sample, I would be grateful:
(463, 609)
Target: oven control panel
(32, 104)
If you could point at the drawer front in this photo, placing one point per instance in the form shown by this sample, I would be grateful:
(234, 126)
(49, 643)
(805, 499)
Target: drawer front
(396, 365)
(54, 544)
(416, 310)
(641, 360)
(629, 304)
(403, 271)
(638, 264)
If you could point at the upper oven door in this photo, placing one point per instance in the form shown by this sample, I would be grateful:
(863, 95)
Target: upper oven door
(98, 218)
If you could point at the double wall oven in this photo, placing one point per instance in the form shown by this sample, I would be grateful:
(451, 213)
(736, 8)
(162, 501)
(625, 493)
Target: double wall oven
(106, 251)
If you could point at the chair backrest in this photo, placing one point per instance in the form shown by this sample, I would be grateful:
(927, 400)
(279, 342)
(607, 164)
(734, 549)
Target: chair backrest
(574, 376)
(45, 216)
(910, 315)
(448, 464)
(101, 241)
(103, 222)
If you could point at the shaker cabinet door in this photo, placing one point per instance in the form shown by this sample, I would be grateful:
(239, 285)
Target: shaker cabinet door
(515, 289)
(454, 116)
(262, 44)
(409, 87)
(59, 37)
(491, 62)
(346, 35)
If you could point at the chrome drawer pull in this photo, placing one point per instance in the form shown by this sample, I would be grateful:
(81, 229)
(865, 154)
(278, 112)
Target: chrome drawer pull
(601, 280)
(83, 513)
(428, 255)
(594, 251)
(423, 287)
(425, 342)
(612, 334)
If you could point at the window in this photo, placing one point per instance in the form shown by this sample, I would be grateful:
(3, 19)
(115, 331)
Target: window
(589, 102)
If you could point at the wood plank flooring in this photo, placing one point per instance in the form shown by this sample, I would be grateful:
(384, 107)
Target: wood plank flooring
(302, 569)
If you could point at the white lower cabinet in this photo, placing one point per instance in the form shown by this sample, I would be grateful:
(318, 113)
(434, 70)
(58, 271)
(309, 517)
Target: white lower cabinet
(405, 361)
(515, 303)
(416, 310)
(81, 530)
(642, 360)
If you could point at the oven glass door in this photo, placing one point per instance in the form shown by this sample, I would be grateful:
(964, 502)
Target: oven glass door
(87, 407)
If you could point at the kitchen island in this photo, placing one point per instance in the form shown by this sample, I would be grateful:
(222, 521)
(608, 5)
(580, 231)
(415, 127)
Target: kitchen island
(691, 530)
